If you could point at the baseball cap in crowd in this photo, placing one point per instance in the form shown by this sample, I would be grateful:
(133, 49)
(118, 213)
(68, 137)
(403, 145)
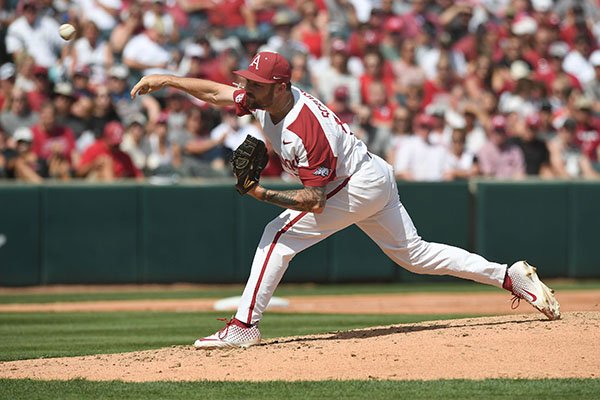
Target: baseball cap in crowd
(584, 103)
(341, 93)
(113, 133)
(595, 58)
(82, 70)
(542, 5)
(194, 50)
(394, 24)
(119, 71)
(136, 118)
(519, 70)
(267, 67)
(558, 49)
(23, 134)
(499, 123)
(284, 18)
(523, 24)
(63, 89)
(533, 120)
(7, 71)
(38, 70)
(424, 120)
(339, 46)
(569, 124)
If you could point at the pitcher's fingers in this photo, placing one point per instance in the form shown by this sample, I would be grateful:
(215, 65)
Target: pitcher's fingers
(138, 89)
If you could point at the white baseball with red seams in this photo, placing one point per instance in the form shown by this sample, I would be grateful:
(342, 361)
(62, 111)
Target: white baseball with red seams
(315, 146)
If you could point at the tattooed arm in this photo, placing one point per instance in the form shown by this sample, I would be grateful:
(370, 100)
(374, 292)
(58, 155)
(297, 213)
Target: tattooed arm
(311, 199)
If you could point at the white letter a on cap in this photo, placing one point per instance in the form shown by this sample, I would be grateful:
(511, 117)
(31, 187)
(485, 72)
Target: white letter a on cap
(255, 62)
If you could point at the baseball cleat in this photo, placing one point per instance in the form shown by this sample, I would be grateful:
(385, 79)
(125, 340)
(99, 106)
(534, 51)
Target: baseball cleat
(234, 334)
(522, 280)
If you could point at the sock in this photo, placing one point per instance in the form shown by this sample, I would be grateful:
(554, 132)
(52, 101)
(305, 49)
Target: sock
(507, 284)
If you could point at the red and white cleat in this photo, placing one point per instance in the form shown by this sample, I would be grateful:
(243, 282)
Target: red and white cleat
(522, 280)
(234, 334)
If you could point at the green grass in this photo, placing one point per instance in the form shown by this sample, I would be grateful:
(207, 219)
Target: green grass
(283, 290)
(559, 389)
(37, 335)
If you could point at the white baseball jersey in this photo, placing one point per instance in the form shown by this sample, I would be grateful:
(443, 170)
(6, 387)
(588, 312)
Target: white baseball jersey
(298, 140)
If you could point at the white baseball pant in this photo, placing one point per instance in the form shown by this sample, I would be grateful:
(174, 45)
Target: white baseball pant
(370, 200)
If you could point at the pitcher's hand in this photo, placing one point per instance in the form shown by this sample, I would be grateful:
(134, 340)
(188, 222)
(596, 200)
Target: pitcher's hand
(147, 84)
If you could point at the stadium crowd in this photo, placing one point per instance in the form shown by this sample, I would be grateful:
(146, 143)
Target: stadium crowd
(443, 89)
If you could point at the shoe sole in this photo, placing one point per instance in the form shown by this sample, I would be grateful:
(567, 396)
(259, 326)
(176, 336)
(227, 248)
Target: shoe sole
(550, 307)
(220, 345)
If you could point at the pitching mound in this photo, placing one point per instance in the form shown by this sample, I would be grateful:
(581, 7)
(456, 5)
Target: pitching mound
(514, 346)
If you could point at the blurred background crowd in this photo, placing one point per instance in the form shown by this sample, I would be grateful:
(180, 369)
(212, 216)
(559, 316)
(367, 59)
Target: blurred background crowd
(443, 89)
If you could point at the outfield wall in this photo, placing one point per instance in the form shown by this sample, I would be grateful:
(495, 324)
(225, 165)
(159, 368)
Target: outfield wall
(141, 233)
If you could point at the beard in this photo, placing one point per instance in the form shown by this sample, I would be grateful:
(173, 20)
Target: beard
(255, 104)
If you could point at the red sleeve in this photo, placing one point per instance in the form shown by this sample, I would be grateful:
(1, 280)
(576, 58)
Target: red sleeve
(239, 98)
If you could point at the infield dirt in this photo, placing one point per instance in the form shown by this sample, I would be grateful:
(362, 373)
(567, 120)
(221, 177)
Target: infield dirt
(510, 346)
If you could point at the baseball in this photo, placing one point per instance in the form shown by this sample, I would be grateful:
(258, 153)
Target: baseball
(67, 31)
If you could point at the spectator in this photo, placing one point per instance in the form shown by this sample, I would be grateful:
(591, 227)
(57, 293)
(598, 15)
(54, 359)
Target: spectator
(499, 158)
(333, 71)
(535, 151)
(104, 110)
(407, 71)
(567, 159)
(592, 89)
(7, 83)
(375, 71)
(52, 142)
(464, 164)
(312, 28)
(399, 133)
(281, 40)
(382, 113)
(131, 25)
(587, 136)
(21, 162)
(18, 114)
(418, 159)
(341, 106)
(104, 160)
(233, 131)
(146, 53)
(104, 13)
(135, 142)
(91, 51)
(34, 34)
(63, 102)
(301, 75)
(42, 88)
(164, 158)
(121, 99)
(577, 63)
(223, 67)
(437, 90)
(158, 15)
(201, 155)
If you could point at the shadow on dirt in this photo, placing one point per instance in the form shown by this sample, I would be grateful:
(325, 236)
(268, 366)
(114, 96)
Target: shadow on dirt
(392, 330)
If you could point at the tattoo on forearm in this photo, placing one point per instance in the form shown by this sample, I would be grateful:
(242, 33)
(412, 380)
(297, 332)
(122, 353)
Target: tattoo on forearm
(300, 200)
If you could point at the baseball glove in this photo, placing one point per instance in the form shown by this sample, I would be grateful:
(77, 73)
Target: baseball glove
(248, 160)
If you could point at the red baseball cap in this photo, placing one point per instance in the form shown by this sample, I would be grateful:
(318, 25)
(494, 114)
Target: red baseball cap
(113, 133)
(267, 67)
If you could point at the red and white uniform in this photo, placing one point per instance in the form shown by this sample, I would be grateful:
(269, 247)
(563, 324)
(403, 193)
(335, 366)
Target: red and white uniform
(316, 147)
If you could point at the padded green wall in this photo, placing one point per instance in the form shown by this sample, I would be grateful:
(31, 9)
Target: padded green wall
(20, 235)
(140, 233)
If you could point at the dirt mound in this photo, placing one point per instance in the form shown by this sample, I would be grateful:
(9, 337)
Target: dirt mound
(512, 346)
